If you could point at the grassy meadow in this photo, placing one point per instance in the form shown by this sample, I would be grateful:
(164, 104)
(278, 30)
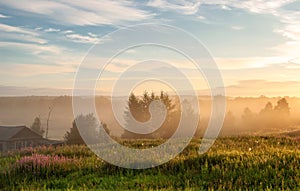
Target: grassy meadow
(240, 163)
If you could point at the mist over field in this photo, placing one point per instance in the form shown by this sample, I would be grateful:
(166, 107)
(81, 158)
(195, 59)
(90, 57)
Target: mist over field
(23, 110)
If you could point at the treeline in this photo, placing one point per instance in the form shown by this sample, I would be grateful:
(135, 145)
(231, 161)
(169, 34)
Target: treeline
(139, 108)
(268, 120)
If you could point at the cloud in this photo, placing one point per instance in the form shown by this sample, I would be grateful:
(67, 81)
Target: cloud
(258, 6)
(9, 28)
(92, 34)
(34, 48)
(291, 32)
(82, 39)
(238, 28)
(184, 7)
(45, 60)
(52, 30)
(13, 33)
(225, 7)
(26, 91)
(38, 28)
(28, 70)
(290, 28)
(192, 7)
(41, 91)
(3, 16)
(289, 49)
(249, 62)
(263, 87)
(295, 61)
(77, 12)
(201, 17)
(289, 19)
(67, 32)
(22, 38)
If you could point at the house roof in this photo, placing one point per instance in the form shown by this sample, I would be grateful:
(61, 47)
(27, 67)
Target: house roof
(7, 132)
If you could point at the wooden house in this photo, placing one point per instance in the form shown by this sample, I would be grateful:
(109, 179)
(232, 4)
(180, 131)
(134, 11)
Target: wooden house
(18, 137)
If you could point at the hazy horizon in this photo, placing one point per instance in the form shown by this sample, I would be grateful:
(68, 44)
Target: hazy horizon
(10, 91)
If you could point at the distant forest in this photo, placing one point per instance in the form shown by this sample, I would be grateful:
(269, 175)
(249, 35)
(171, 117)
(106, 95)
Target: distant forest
(253, 115)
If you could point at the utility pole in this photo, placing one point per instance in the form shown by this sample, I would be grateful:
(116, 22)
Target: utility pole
(49, 114)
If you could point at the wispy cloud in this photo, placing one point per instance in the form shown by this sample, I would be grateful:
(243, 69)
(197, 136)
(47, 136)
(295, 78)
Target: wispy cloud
(13, 33)
(34, 48)
(225, 7)
(9, 28)
(192, 7)
(257, 6)
(3, 16)
(238, 28)
(82, 39)
(290, 31)
(47, 48)
(92, 34)
(295, 61)
(289, 19)
(259, 87)
(67, 31)
(184, 7)
(27, 70)
(38, 28)
(249, 62)
(78, 12)
(21, 91)
(52, 30)
(201, 17)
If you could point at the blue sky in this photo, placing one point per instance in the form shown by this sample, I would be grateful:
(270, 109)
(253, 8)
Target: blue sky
(255, 43)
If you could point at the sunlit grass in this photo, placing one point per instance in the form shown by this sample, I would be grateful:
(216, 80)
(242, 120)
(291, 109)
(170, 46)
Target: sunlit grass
(242, 163)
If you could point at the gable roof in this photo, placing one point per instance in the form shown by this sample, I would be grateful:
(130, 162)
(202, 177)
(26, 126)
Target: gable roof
(7, 132)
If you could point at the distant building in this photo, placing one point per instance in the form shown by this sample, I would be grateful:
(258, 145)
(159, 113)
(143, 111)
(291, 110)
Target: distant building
(17, 137)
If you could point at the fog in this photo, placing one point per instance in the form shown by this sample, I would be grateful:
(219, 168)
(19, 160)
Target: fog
(258, 118)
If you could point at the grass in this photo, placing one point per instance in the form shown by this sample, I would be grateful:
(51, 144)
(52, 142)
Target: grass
(242, 163)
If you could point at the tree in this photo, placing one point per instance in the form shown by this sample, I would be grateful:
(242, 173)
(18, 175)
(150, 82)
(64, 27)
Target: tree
(249, 120)
(268, 110)
(269, 118)
(73, 136)
(89, 130)
(266, 117)
(282, 112)
(229, 125)
(190, 117)
(37, 126)
(282, 107)
(138, 107)
(248, 115)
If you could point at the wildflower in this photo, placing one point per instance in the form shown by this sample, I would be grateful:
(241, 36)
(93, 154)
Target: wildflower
(36, 162)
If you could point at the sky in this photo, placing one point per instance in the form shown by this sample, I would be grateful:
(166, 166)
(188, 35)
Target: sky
(255, 44)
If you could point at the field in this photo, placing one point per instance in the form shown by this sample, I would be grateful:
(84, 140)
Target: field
(240, 163)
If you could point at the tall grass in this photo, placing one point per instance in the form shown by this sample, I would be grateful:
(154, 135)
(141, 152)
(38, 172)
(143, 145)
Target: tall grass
(243, 163)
